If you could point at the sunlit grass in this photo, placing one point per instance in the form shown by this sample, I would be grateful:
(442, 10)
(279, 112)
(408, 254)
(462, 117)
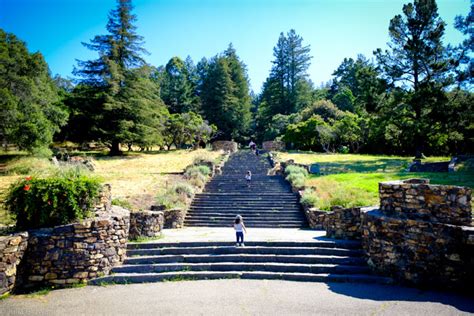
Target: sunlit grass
(352, 180)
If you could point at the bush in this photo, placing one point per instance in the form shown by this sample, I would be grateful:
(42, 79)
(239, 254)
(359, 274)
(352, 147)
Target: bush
(175, 197)
(292, 169)
(297, 180)
(194, 171)
(198, 181)
(184, 189)
(60, 199)
(309, 198)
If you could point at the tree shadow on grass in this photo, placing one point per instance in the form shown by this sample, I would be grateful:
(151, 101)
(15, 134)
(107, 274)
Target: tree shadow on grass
(377, 292)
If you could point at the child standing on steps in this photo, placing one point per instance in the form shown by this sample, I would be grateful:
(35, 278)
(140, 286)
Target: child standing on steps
(248, 177)
(239, 228)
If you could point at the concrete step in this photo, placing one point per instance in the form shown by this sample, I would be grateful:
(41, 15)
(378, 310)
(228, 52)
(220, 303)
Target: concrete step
(323, 243)
(231, 216)
(306, 259)
(242, 266)
(249, 225)
(246, 250)
(124, 278)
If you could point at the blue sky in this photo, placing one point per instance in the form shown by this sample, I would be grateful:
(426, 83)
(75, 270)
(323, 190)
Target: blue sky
(202, 28)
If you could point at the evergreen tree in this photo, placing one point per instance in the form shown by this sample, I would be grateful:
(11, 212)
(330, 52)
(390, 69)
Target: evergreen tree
(287, 89)
(111, 79)
(417, 60)
(463, 61)
(31, 111)
(225, 95)
(176, 88)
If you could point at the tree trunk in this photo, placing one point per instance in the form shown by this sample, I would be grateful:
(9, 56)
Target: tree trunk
(115, 148)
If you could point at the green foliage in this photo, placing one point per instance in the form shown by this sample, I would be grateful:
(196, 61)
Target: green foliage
(176, 196)
(184, 189)
(296, 175)
(292, 169)
(178, 86)
(30, 109)
(297, 180)
(199, 169)
(117, 93)
(197, 175)
(56, 200)
(313, 134)
(309, 198)
(287, 89)
(187, 129)
(225, 95)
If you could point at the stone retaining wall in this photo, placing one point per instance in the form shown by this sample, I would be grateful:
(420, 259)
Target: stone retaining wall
(417, 199)
(12, 249)
(174, 218)
(77, 252)
(316, 218)
(419, 252)
(416, 236)
(146, 224)
(273, 145)
(343, 223)
(228, 146)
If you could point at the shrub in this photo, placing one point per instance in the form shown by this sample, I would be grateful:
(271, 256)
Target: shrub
(184, 189)
(297, 180)
(175, 197)
(310, 198)
(50, 201)
(292, 169)
(198, 181)
(194, 171)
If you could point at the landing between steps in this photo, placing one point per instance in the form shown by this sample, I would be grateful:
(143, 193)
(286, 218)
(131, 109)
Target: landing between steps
(192, 234)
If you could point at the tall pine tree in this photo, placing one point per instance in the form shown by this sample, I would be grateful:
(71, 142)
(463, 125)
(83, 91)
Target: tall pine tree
(417, 61)
(225, 95)
(112, 78)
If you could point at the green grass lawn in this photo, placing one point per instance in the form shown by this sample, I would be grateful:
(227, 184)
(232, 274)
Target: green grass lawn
(352, 180)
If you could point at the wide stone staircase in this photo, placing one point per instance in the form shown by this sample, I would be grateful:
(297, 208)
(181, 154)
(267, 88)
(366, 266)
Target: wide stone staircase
(267, 201)
(316, 261)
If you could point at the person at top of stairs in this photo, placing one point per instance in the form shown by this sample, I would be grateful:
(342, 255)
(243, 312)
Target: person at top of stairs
(239, 228)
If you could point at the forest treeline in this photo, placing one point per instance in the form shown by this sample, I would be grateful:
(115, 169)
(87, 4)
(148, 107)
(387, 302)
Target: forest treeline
(414, 97)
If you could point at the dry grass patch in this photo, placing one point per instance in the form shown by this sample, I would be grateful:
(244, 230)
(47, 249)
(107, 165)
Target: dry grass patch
(137, 177)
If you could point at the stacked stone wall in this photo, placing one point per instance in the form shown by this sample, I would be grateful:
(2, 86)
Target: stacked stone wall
(419, 252)
(228, 146)
(174, 218)
(12, 249)
(343, 223)
(75, 253)
(421, 234)
(417, 199)
(273, 145)
(146, 224)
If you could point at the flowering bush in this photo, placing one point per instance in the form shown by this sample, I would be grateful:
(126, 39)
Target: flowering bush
(55, 200)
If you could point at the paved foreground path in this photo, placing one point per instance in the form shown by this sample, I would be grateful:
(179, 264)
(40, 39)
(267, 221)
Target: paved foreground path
(239, 297)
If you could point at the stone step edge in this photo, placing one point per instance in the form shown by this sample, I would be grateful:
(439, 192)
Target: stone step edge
(244, 256)
(347, 244)
(243, 265)
(125, 278)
